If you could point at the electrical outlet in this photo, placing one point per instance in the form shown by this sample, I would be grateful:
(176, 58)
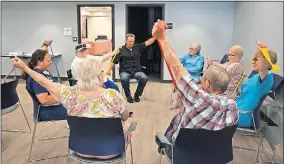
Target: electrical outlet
(74, 39)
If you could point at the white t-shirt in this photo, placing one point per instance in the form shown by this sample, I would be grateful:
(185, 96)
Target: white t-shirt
(77, 60)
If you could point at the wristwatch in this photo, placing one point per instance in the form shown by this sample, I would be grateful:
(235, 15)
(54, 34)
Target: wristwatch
(44, 45)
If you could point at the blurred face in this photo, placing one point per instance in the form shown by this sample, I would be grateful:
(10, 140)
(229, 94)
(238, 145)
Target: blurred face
(130, 42)
(45, 64)
(192, 51)
(233, 57)
(82, 53)
(259, 63)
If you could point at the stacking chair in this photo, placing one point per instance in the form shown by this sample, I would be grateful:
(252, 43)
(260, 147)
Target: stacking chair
(197, 146)
(255, 114)
(10, 102)
(274, 137)
(71, 80)
(134, 81)
(97, 137)
(37, 106)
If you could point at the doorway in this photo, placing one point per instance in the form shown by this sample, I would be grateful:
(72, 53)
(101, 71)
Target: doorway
(96, 24)
(139, 21)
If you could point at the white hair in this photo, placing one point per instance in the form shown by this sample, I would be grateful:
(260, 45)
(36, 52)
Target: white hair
(238, 50)
(88, 73)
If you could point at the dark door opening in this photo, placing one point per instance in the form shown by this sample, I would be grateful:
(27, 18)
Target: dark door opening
(140, 20)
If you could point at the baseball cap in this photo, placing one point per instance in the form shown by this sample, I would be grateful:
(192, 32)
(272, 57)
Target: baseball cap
(81, 47)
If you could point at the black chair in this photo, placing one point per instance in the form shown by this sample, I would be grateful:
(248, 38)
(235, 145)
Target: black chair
(97, 137)
(10, 102)
(224, 59)
(196, 146)
(37, 106)
(71, 80)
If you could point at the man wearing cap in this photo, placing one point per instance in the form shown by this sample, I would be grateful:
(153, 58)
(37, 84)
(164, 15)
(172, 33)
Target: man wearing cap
(82, 53)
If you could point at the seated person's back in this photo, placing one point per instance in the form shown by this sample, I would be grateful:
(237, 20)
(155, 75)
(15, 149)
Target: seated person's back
(51, 109)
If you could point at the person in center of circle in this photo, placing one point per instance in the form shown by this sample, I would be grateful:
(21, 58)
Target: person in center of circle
(130, 66)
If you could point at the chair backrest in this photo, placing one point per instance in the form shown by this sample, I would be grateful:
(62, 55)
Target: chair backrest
(69, 74)
(9, 96)
(256, 112)
(71, 80)
(279, 94)
(31, 92)
(204, 146)
(96, 136)
(277, 79)
(224, 59)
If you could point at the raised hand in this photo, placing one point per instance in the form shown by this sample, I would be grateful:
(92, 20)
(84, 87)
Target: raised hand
(159, 30)
(48, 42)
(18, 63)
(260, 45)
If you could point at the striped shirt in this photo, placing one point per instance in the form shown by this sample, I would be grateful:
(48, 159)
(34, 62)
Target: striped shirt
(202, 110)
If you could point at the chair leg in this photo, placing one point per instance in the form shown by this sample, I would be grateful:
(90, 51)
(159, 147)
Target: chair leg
(131, 152)
(25, 117)
(2, 143)
(33, 140)
(257, 154)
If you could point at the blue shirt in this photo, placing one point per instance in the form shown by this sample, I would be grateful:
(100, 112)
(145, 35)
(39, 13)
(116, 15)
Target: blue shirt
(251, 93)
(57, 112)
(193, 64)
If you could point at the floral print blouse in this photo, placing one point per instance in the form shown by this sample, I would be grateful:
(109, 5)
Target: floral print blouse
(109, 104)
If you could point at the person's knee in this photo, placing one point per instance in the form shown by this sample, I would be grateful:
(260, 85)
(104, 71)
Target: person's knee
(124, 77)
(143, 78)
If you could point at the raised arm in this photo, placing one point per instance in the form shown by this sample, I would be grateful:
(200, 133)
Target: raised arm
(53, 88)
(45, 44)
(150, 41)
(169, 55)
(111, 54)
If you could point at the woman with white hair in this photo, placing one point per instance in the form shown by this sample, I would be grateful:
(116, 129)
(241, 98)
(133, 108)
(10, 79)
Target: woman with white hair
(193, 61)
(233, 66)
(87, 98)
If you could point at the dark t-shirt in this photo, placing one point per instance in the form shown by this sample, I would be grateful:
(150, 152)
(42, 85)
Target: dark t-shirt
(129, 61)
(35, 88)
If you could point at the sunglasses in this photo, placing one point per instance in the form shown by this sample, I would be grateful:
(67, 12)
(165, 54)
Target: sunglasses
(81, 46)
(255, 59)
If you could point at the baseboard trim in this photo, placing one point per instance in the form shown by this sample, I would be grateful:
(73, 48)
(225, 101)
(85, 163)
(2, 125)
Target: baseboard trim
(166, 81)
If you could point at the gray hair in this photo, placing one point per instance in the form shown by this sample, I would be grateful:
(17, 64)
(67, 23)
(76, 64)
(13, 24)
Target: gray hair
(218, 78)
(238, 50)
(88, 73)
(196, 46)
(129, 35)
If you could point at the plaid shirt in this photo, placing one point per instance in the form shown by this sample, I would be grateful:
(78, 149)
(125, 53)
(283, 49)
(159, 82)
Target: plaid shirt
(202, 110)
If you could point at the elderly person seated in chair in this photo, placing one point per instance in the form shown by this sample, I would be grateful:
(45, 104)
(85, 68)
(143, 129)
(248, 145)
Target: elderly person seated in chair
(256, 86)
(130, 66)
(40, 63)
(233, 66)
(193, 61)
(87, 98)
(82, 53)
(205, 106)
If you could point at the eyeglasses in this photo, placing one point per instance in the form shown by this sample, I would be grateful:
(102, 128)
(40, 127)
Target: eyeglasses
(255, 59)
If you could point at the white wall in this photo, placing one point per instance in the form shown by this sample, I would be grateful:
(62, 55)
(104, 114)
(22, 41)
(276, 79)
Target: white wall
(259, 21)
(99, 26)
(26, 24)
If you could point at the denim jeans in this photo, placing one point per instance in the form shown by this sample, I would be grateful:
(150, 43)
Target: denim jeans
(140, 76)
